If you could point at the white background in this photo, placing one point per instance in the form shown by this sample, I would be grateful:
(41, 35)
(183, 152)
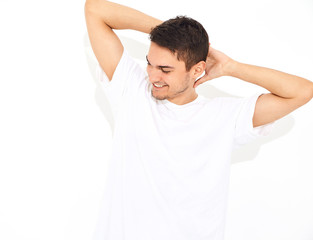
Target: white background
(55, 139)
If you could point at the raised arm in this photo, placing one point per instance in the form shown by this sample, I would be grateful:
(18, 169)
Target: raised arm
(103, 16)
(288, 92)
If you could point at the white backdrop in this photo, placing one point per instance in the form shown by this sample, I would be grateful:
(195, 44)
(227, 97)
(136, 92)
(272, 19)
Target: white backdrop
(55, 136)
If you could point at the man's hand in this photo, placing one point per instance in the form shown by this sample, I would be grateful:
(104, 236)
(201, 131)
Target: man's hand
(217, 65)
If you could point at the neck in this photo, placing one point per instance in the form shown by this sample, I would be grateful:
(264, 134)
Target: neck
(185, 100)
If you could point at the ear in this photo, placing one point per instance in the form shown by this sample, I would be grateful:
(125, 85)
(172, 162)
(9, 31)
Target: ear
(198, 69)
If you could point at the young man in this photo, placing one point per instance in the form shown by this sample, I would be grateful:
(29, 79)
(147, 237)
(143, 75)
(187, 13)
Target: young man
(170, 166)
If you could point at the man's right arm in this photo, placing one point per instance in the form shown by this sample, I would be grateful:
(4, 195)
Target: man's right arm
(103, 16)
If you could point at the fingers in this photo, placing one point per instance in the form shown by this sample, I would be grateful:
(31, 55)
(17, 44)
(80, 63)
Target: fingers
(201, 80)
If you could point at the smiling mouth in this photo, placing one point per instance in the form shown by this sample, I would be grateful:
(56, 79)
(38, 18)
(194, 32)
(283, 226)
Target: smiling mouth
(156, 86)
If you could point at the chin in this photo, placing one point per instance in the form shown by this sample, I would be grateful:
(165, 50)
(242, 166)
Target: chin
(159, 97)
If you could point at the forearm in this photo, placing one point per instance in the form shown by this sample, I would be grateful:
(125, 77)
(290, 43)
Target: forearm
(118, 16)
(279, 83)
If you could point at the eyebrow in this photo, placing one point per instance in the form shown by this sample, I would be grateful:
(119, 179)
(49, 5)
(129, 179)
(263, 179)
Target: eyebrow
(160, 66)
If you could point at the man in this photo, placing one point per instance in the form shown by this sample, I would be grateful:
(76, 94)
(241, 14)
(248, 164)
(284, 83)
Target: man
(170, 166)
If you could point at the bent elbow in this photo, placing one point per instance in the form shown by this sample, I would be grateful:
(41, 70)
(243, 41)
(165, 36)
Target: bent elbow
(89, 5)
(92, 5)
(309, 92)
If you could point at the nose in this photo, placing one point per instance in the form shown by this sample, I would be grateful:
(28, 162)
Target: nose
(154, 75)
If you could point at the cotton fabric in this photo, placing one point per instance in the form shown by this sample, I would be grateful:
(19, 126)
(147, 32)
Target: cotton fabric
(169, 170)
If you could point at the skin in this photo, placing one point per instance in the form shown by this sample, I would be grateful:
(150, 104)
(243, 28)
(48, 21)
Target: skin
(163, 67)
(287, 92)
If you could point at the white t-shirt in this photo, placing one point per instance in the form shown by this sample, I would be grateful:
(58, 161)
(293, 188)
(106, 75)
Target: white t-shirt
(170, 165)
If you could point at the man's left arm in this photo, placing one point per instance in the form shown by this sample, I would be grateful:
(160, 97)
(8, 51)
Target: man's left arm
(287, 92)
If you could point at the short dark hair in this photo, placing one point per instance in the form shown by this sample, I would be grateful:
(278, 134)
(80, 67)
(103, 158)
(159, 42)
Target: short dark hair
(184, 36)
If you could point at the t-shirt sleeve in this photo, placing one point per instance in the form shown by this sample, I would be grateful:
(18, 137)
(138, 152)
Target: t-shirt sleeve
(126, 79)
(244, 130)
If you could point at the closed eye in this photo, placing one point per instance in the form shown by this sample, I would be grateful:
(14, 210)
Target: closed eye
(160, 67)
(164, 71)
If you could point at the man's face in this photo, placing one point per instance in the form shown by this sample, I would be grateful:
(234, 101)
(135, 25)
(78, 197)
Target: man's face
(164, 69)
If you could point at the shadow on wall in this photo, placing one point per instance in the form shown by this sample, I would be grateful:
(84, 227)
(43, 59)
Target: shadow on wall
(139, 50)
